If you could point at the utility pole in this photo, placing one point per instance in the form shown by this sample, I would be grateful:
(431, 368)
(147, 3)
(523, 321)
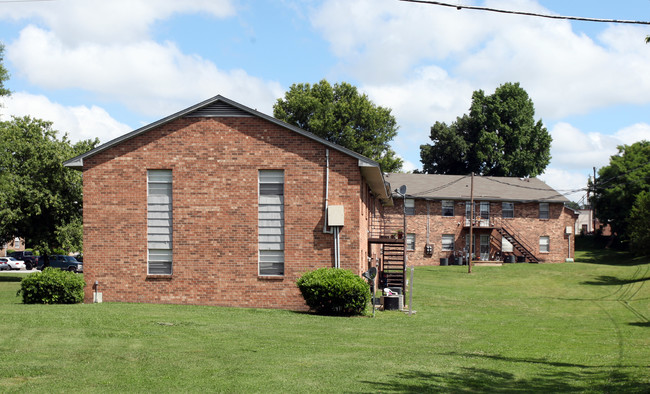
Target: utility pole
(471, 226)
(593, 208)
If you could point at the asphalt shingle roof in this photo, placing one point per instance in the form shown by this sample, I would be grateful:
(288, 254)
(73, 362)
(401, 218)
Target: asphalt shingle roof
(457, 187)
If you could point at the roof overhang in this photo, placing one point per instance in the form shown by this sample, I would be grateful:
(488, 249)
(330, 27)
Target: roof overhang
(371, 172)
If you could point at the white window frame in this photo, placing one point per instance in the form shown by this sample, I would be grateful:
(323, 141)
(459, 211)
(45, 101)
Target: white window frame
(511, 209)
(544, 244)
(409, 208)
(448, 241)
(544, 210)
(410, 241)
(160, 222)
(445, 205)
(271, 223)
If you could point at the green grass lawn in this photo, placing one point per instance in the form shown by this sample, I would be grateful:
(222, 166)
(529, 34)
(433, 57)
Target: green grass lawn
(573, 327)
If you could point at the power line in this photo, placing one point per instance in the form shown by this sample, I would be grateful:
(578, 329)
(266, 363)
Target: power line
(438, 188)
(22, 1)
(572, 18)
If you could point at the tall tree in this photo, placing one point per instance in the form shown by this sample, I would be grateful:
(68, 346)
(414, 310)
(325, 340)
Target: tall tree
(40, 199)
(639, 225)
(4, 74)
(340, 114)
(620, 183)
(499, 137)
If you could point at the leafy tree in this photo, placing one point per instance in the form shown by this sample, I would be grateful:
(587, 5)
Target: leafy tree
(40, 199)
(499, 137)
(619, 184)
(4, 74)
(341, 115)
(639, 224)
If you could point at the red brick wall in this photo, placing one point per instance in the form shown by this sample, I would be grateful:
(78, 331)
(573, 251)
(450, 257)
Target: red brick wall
(526, 225)
(215, 163)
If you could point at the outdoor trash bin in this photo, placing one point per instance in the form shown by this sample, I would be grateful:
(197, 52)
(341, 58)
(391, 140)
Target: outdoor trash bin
(444, 261)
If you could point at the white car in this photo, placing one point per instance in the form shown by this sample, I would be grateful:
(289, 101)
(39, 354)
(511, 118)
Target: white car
(4, 265)
(13, 263)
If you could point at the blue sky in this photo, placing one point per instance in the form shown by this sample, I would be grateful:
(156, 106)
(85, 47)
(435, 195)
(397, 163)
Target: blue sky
(103, 68)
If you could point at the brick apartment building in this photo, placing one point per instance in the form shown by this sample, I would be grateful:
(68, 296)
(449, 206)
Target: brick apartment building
(222, 205)
(17, 244)
(524, 218)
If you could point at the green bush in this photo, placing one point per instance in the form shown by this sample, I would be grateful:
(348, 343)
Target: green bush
(334, 291)
(52, 286)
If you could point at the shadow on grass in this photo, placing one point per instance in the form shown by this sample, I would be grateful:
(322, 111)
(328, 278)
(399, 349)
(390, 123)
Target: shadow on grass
(613, 281)
(10, 279)
(472, 380)
(610, 257)
(640, 324)
(518, 360)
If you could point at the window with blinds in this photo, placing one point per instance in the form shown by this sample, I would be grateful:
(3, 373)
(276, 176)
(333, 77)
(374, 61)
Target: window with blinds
(543, 210)
(410, 206)
(271, 222)
(159, 222)
(508, 210)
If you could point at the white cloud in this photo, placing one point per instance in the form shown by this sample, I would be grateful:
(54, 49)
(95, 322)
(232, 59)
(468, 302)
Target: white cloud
(571, 184)
(147, 77)
(387, 42)
(575, 149)
(79, 122)
(111, 21)
(636, 132)
(381, 40)
(429, 96)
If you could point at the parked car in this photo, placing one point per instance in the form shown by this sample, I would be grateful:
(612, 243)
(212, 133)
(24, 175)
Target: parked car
(31, 261)
(13, 263)
(60, 261)
(4, 265)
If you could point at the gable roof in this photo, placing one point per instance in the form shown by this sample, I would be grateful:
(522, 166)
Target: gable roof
(486, 188)
(219, 106)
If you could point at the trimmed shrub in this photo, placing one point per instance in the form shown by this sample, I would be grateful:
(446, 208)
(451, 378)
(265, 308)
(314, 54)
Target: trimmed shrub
(52, 286)
(334, 291)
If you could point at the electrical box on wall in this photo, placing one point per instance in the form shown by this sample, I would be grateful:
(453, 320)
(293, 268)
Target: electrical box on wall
(335, 215)
(428, 249)
(568, 230)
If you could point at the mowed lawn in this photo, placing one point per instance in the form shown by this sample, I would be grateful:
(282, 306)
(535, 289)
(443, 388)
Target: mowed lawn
(571, 327)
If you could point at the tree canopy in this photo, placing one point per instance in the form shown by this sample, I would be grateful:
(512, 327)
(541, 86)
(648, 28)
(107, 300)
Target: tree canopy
(340, 114)
(499, 137)
(40, 200)
(4, 74)
(620, 184)
(639, 224)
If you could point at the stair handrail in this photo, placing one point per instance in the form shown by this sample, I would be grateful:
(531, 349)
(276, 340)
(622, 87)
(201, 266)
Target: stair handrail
(511, 231)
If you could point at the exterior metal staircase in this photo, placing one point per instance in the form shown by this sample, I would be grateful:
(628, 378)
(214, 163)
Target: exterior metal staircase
(393, 263)
(520, 245)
